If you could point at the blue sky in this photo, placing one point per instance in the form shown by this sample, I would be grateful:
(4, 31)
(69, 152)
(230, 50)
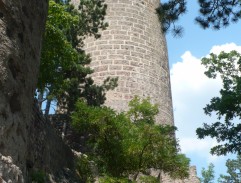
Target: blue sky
(191, 90)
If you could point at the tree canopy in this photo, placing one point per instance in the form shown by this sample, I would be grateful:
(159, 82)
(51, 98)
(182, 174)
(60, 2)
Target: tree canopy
(129, 143)
(218, 13)
(227, 105)
(64, 71)
(212, 13)
(208, 175)
(233, 171)
(215, 14)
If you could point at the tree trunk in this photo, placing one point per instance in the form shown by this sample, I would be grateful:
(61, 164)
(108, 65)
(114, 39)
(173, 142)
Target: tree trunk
(40, 99)
(47, 108)
(21, 29)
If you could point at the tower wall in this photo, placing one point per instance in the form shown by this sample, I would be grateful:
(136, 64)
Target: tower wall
(133, 48)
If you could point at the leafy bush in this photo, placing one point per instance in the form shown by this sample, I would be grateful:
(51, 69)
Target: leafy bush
(149, 179)
(129, 143)
(84, 169)
(38, 176)
(108, 179)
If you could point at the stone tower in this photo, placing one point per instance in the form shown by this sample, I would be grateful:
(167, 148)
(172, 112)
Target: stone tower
(133, 48)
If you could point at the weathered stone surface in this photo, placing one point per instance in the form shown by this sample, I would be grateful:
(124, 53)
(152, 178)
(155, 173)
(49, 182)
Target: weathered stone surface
(133, 48)
(46, 150)
(191, 179)
(9, 173)
(26, 140)
(21, 29)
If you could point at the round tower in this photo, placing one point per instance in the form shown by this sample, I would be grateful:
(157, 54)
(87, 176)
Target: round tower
(133, 48)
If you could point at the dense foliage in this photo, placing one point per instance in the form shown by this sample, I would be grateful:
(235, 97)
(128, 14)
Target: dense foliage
(64, 71)
(208, 175)
(169, 12)
(212, 13)
(233, 171)
(227, 106)
(218, 13)
(129, 143)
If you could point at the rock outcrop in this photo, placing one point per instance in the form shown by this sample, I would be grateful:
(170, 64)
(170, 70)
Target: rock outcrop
(21, 28)
(9, 173)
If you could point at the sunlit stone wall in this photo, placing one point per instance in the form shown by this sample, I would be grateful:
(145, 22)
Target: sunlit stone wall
(133, 48)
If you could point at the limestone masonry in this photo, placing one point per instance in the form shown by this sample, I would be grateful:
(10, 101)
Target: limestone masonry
(133, 48)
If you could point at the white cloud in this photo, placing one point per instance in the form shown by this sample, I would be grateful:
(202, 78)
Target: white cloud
(189, 70)
(195, 145)
(200, 148)
(191, 91)
(225, 47)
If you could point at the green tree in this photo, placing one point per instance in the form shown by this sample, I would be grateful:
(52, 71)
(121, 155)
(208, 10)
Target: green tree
(64, 72)
(233, 171)
(58, 56)
(169, 12)
(212, 13)
(148, 145)
(127, 143)
(227, 106)
(109, 179)
(208, 175)
(218, 13)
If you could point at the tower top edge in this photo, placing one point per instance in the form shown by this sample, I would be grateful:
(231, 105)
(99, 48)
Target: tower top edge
(156, 3)
(149, 3)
